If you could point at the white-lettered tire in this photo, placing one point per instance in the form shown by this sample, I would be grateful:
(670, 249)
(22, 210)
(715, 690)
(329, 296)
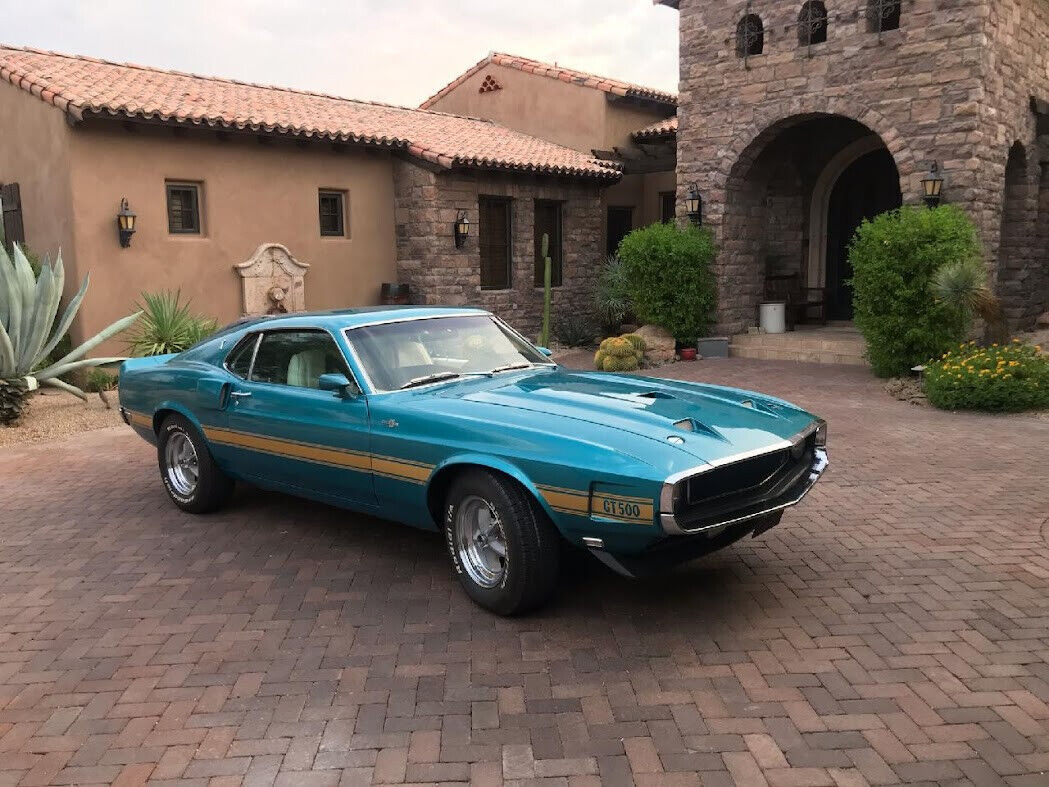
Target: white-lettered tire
(504, 548)
(191, 477)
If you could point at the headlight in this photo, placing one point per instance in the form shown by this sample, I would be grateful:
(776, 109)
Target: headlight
(821, 433)
(670, 497)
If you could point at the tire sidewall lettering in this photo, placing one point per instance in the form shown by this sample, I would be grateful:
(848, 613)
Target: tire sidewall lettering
(170, 429)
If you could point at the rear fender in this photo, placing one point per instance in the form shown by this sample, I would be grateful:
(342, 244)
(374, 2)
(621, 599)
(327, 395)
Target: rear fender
(167, 407)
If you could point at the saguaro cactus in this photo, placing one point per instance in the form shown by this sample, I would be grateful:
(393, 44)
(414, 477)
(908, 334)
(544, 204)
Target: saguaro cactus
(544, 337)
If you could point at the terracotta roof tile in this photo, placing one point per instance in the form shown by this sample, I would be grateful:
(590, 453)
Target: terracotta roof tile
(83, 87)
(611, 86)
(661, 128)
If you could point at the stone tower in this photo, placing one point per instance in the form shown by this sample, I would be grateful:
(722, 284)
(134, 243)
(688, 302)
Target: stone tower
(798, 119)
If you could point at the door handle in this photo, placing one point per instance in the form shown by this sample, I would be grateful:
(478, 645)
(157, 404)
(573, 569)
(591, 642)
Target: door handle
(239, 394)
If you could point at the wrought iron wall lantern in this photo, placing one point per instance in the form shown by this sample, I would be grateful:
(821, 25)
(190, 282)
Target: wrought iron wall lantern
(932, 185)
(461, 229)
(125, 223)
(694, 206)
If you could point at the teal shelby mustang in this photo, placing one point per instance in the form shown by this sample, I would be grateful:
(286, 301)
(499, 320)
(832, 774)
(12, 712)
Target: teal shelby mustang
(449, 419)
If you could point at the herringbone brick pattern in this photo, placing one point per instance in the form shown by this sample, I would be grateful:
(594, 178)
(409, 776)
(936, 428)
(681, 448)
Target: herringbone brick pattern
(894, 628)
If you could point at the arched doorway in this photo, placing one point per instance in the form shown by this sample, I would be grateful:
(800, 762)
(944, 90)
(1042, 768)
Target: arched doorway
(793, 199)
(869, 186)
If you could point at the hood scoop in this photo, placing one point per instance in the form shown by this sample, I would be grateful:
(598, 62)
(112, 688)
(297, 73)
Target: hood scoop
(654, 395)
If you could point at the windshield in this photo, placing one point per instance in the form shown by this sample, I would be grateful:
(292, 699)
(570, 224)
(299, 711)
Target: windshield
(399, 355)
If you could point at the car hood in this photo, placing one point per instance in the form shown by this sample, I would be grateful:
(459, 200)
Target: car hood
(713, 422)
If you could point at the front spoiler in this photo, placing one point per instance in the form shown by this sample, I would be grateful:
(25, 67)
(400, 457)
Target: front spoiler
(681, 549)
(688, 545)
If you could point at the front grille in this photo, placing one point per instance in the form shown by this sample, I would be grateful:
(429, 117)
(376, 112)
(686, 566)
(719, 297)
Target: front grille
(714, 496)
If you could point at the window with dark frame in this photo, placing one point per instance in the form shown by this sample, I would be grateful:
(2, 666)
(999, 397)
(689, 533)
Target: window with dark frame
(883, 15)
(493, 241)
(750, 36)
(183, 208)
(812, 23)
(548, 218)
(667, 207)
(332, 209)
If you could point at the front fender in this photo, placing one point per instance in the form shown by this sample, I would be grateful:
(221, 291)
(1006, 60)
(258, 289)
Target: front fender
(499, 464)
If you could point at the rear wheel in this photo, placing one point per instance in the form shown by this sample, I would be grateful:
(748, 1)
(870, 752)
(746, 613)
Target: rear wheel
(191, 477)
(502, 545)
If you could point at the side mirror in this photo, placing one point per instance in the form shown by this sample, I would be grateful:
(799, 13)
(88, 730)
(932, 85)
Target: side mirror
(545, 351)
(338, 383)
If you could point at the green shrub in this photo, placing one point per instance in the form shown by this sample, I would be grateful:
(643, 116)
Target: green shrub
(611, 296)
(168, 326)
(100, 380)
(574, 330)
(895, 258)
(669, 279)
(1006, 378)
(618, 354)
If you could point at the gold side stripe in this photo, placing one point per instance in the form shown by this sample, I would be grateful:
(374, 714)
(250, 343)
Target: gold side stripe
(140, 419)
(624, 498)
(384, 466)
(310, 453)
(575, 503)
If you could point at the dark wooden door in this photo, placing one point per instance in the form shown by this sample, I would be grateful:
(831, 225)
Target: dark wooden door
(620, 222)
(871, 185)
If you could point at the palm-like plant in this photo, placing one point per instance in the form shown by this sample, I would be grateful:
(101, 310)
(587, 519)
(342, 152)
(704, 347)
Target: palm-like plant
(963, 285)
(611, 295)
(28, 332)
(167, 326)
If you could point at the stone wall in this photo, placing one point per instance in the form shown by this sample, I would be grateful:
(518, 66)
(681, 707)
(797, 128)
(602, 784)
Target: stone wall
(1013, 157)
(953, 84)
(427, 204)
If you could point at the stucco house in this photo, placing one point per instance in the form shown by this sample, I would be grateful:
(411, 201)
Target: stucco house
(364, 193)
(615, 121)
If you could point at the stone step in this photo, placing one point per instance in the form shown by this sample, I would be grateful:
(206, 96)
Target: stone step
(832, 345)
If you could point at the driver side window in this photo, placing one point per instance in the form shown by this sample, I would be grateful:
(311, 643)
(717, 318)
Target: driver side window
(297, 358)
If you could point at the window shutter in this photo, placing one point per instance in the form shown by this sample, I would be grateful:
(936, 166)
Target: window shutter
(14, 231)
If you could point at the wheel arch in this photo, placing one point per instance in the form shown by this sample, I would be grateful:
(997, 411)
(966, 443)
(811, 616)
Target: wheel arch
(443, 475)
(165, 409)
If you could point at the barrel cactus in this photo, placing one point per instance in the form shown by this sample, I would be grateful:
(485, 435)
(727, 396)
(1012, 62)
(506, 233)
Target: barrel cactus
(618, 354)
(28, 332)
(637, 341)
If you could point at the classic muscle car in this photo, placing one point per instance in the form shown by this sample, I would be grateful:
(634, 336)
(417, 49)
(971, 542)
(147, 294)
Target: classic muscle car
(449, 419)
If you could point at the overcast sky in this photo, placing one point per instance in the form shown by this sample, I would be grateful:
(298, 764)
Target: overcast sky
(397, 51)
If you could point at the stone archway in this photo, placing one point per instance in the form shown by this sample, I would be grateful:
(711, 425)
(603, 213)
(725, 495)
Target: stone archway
(774, 222)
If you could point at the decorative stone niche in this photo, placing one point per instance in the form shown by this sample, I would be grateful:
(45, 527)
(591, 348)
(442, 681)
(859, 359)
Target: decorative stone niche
(272, 281)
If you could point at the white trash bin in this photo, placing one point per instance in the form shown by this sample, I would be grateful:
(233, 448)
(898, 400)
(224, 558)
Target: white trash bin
(772, 316)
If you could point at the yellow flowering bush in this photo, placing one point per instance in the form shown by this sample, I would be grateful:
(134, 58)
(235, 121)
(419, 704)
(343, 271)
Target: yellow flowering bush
(1003, 378)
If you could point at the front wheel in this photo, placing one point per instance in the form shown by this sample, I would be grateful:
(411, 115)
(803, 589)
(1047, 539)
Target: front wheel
(191, 477)
(502, 545)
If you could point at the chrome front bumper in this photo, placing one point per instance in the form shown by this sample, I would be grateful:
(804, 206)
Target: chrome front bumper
(785, 499)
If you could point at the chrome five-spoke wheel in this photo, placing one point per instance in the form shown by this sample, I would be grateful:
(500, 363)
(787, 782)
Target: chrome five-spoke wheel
(480, 541)
(181, 464)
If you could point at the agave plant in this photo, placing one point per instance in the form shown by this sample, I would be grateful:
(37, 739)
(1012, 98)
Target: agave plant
(963, 285)
(167, 325)
(28, 332)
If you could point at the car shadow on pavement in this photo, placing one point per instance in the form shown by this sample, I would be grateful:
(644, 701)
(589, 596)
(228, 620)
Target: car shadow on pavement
(708, 588)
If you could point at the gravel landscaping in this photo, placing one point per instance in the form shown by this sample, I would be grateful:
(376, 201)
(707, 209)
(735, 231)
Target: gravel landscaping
(56, 415)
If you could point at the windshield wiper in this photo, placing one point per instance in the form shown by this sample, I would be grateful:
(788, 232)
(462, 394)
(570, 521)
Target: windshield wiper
(429, 378)
(438, 376)
(510, 367)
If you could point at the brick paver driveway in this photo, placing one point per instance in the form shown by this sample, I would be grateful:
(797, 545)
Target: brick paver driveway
(895, 627)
